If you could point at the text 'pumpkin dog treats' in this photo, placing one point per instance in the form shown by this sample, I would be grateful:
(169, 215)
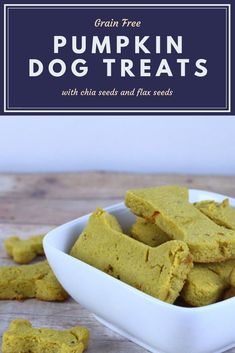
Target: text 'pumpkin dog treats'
(207, 241)
(21, 337)
(220, 213)
(148, 233)
(160, 272)
(30, 281)
(24, 251)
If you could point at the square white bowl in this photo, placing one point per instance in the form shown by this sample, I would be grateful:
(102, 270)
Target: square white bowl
(153, 324)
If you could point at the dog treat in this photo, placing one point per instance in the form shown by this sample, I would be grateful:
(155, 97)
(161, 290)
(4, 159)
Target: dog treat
(202, 286)
(207, 241)
(24, 251)
(30, 281)
(148, 233)
(220, 213)
(160, 272)
(232, 277)
(229, 293)
(21, 337)
(206, 282)
(224, 270)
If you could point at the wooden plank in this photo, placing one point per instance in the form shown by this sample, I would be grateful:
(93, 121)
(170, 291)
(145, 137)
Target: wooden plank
(62, 316)
(47, 211)
(86, 185)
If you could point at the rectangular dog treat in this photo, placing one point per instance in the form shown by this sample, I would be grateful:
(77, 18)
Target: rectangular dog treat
(21, 337)
(229, 293)
(30, 281)
(206, 282)
(232, 277)
(160, 272)
(221, 213)
(148, 233)
(207, 241)
(223, 269)
(202, 286)
(24, 251)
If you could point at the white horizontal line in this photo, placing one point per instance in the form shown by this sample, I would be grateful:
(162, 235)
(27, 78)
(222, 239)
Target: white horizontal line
(117, 111)
(120, 5)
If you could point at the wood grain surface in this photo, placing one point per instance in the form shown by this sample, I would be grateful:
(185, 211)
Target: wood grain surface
(31, 204)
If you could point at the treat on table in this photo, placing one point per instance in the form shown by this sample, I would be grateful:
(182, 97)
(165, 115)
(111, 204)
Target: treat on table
(21, 337)
(207, 241)
(220, 212)
(24, 251)
(148, 233)
(160, 272)
(30, 281)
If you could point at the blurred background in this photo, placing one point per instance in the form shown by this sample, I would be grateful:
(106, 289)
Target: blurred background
(162, 144)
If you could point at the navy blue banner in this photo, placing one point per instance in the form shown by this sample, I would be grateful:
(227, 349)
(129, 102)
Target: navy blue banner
(134, 58)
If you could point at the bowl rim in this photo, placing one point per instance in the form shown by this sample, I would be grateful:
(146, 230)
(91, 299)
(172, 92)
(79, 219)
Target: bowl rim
(118, 206)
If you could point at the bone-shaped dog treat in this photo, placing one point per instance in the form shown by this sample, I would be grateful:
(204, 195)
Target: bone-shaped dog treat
(221, 213)
(30, 281)
(160, 272)
(24, 250)
(22, 337)
(207, 241)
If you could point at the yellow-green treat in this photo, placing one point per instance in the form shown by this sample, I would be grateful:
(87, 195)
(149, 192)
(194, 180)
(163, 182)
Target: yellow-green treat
(24, 250)
(221, 213)
(224, 270)
(207, 241)
(232, 277)
(30, 281)
(229, 293)
(160, 272)
(148, 233)
(21, 337)
(206, 282)
(202, 286)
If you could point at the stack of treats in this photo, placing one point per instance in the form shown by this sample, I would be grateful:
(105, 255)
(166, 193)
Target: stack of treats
(175, 249)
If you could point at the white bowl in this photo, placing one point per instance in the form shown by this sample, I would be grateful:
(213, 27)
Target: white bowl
(155, 325)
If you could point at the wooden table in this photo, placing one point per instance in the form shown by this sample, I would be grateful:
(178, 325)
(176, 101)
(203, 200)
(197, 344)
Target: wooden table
(37, 203)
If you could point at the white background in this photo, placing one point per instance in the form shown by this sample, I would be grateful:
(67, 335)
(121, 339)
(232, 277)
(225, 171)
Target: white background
(189, 144)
